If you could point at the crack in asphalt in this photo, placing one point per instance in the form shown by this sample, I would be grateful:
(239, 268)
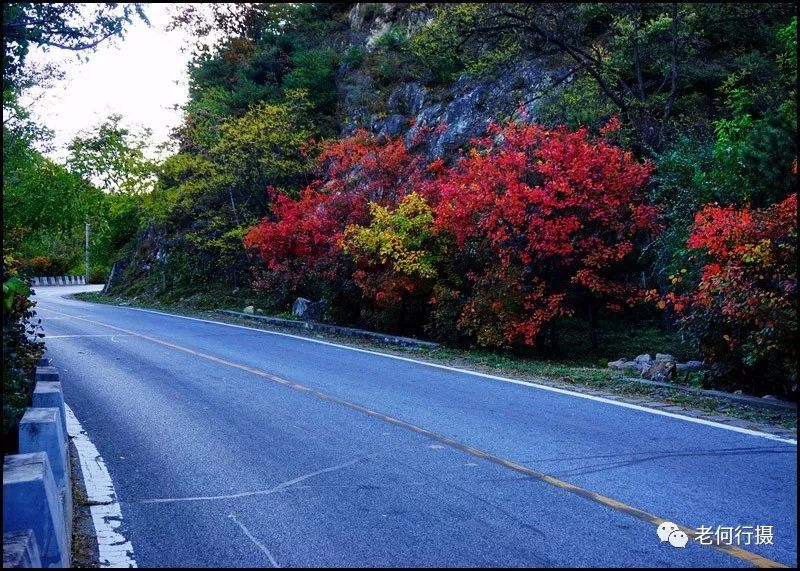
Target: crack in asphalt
(279, 488)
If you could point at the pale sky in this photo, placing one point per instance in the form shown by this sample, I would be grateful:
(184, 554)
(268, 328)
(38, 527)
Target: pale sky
(135, 76)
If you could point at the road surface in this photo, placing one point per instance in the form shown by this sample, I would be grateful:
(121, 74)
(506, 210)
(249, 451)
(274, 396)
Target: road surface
(230, 446)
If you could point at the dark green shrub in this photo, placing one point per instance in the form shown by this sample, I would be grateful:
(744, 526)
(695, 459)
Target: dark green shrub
(21, 351)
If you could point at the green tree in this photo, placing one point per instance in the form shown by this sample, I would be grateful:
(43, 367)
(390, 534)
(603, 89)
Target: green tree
(313, 72)
(643, 58)
(114, 157)
(43, 202)
(265, 146)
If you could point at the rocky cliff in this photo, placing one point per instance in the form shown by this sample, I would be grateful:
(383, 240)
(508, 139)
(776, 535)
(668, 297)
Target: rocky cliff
(465, 106)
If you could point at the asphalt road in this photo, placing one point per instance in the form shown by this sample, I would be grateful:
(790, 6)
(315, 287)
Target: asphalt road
(237, 447)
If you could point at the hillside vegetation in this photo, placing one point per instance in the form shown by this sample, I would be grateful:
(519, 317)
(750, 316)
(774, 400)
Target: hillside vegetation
(485, 175)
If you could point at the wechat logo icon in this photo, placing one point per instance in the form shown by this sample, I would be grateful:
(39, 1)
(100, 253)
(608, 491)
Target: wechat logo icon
(670, 532)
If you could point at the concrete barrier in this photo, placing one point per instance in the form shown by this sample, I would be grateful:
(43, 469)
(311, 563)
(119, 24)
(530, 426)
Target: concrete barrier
(40, 281)
(46, 374)
(37, 487)
(30, 501)
(48, 394)
(40, 431)
(20, 550)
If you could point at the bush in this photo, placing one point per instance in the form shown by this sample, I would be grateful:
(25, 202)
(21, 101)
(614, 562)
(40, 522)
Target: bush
(98, 274)
(300, 244)
(398, 257)
(558, 217)
(21, 351)
(743, 311)
(514, 234)
(353, 56)
(39, 266)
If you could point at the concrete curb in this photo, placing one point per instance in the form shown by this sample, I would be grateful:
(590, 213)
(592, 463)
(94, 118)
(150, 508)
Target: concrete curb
(348, 331)
(744, 399)
(37, 484)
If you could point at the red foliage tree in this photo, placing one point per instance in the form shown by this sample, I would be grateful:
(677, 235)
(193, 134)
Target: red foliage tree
(743, 311)
(300, 244)
(543, 222)
(559, 212)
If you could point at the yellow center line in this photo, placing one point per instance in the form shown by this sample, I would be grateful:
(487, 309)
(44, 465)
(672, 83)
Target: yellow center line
(739, 553)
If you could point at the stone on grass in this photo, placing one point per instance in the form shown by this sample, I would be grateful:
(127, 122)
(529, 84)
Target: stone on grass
(660, 371)
(314, 312)
(664, 357)
(249, 309)
(619, 364)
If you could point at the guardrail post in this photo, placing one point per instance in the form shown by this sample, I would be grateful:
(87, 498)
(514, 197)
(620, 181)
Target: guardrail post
(30, 501)
(20, 550)
(40, 430)
(48, 394)
(46, 374)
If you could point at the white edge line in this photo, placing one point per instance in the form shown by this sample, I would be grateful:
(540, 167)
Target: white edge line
(115, 550)
(493, 377)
